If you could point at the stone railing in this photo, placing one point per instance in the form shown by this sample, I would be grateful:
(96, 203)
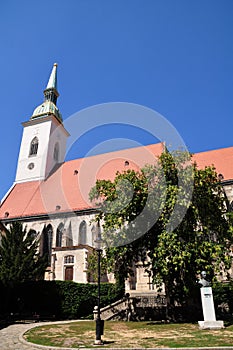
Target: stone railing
(114, 310)
(130, 307)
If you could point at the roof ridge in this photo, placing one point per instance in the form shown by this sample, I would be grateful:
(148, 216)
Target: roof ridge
(116, 151)
(215, 149)
(7, 194)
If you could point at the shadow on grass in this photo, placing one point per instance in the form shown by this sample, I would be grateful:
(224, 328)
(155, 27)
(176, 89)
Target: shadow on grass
(155, 323)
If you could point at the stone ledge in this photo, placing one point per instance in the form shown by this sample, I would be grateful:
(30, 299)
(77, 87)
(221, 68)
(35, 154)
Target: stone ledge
(211, 324)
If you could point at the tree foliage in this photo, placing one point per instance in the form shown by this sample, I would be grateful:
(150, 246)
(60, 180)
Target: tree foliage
(92, 266)
(182, 226)
(19, 257)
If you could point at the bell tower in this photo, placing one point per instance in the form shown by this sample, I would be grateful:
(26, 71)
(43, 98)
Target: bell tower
(43, 144)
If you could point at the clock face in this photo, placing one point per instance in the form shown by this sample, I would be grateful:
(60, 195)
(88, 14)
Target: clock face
(31, 166)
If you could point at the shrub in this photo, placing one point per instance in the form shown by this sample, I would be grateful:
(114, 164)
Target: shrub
(61, 299)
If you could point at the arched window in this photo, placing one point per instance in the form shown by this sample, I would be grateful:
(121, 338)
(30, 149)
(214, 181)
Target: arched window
(33, 233)
(59, 235)
(46, 242)
(69, 238)
(69, 259)
(34, 147)
(231, 206)
(93, 234)
(82, 233)
(56, 152)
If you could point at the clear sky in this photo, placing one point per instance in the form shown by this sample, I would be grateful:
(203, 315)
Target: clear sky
(174, 56)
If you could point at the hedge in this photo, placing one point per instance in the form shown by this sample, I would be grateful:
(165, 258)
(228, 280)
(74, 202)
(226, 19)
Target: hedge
(70, 300)
(55, 299)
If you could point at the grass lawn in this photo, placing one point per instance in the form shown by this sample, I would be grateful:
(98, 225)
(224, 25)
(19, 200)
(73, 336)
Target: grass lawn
(130, 335)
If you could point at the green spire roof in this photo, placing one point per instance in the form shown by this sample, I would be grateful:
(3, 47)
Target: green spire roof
(50, 98)
(52, 83)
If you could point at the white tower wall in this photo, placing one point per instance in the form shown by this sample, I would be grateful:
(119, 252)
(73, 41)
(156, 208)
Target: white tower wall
(37, 167)
(58, 136)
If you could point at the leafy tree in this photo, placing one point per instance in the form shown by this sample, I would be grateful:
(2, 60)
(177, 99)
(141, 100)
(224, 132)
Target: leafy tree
(178, 235)
(92, 266)
(19, 256)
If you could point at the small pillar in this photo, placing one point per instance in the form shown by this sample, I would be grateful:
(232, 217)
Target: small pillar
(95, 312)
(208, 310)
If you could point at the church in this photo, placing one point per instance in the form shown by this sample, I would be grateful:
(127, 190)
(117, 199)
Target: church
(50, 195)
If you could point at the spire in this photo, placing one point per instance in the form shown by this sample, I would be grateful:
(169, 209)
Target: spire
(50, 98)
(51, 93)
(52, 83)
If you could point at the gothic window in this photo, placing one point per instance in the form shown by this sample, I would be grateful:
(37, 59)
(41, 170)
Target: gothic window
(56, 152)
(46, 242)
(59, 235)
(34, 147)
(93, 233)
(231, 206)
(82, 233)
(69, 239)
(33, 233)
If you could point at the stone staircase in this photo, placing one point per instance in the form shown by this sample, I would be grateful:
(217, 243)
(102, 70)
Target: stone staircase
(133, 307)
(117, 310)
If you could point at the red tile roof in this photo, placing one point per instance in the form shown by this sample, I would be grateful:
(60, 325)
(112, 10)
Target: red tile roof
(68, 187)
(222, 159)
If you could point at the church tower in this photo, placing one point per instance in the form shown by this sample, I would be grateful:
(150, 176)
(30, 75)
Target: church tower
(43, 144)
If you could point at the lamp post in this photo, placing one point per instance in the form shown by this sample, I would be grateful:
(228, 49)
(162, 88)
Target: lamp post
(99, 322)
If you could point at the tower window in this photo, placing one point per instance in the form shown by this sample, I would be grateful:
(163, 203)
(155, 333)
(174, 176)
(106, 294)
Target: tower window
(56, 152)
(34, 147)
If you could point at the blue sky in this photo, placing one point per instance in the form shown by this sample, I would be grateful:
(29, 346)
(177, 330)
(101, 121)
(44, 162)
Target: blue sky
(174, 56)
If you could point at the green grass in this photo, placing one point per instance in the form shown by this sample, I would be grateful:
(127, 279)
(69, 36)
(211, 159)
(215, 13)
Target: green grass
(130, 335)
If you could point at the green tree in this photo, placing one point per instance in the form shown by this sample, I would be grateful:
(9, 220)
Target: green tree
(160, 194)
(92, 261)
(19, 256)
